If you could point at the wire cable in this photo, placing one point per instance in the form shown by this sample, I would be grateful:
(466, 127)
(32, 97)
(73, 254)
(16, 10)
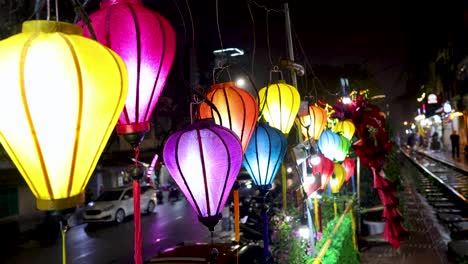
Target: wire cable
(266, 8)
(254, 37)
(191, 20)
(217, 23)
(268, 38)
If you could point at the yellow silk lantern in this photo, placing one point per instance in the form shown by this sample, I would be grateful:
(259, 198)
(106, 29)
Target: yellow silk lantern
(337, 180)
(279, 104)
(345, 128)
(313, 123)
(61, 97)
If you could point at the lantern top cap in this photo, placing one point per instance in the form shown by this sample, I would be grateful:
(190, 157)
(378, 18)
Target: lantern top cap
(222, 85)
(277, 82)
(107, 3)
(47, 26)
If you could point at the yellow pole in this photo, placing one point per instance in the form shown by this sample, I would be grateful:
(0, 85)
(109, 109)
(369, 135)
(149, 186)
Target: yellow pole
(335, 207)
(64, 252)
(236, 215)
(353, 224)
(316, 214)
(284, 187)
(328, 242)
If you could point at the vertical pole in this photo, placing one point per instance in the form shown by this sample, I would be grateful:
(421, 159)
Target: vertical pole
(290, 43)
(284, 187)
(311, 227)
(63, 229)
(358, 203)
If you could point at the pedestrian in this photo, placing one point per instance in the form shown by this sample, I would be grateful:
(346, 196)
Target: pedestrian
(455, 139)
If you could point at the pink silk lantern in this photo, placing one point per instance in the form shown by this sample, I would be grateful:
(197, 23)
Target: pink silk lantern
(325, 168)
(349, 166)
(146, 42)
(204, 160)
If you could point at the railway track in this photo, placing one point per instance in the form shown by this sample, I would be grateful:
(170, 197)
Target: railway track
(445, 188)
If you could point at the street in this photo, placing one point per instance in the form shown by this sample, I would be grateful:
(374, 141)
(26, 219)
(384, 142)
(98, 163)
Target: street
(172, 223)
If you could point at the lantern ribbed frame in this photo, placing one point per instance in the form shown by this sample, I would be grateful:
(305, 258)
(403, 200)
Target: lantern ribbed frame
(346, 128)
(279, 104)
(329, 143)
(343, 149)
(64, 102)
(264, 154)
(324, 169)
(204, 160)
(349, 166)
(238, 109)
(313, 124)
(146, 42)
(339, 175)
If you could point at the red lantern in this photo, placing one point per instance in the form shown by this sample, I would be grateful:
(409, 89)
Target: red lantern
(349, 166)
(325, 168)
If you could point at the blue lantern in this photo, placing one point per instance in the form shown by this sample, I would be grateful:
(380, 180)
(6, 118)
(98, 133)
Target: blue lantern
(329, 143)
(262, 159)
(264, 155)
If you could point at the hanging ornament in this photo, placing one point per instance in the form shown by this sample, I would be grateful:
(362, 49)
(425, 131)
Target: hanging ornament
(338, 178)
(349, 166)
(204, 160)
(279, 104)
(264, 155)
(238, 109)
(314, 122)
(60, 103)
(146, 42)
(325, 169)
(329, 143)
(343, 149)
(345, 128)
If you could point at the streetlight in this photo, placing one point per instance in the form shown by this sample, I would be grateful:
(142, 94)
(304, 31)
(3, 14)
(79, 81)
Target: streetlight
(240, 82)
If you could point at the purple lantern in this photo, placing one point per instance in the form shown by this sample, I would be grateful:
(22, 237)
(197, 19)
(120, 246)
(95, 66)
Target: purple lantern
(204, 160)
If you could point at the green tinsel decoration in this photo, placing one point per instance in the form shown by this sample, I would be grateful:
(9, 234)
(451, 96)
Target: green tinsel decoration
(341, 249)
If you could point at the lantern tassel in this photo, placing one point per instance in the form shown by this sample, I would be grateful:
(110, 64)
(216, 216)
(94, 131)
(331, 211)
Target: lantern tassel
(236, 215)
(136, 215)
(136, 206)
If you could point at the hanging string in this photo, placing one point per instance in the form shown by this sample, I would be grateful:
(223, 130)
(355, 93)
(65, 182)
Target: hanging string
(219, 35)
(191, 21)
(56, 11)
(254, 38)
(48, 10)
(268, 38)
(266, 8)
(137, 218)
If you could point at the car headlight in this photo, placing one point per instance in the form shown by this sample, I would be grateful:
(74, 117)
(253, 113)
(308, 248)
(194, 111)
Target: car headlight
(108, 208)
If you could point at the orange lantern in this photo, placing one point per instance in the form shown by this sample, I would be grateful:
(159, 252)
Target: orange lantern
(238, 110)
(313, 123)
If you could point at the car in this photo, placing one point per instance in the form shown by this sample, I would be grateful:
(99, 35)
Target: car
(206, 253)
(116, 204)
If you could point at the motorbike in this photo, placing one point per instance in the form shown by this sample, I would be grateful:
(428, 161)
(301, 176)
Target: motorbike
(173, 194)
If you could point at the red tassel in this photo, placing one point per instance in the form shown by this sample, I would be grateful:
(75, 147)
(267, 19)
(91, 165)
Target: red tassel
(136, 215)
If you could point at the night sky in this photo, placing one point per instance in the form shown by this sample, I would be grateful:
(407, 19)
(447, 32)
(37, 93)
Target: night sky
(389, 38)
